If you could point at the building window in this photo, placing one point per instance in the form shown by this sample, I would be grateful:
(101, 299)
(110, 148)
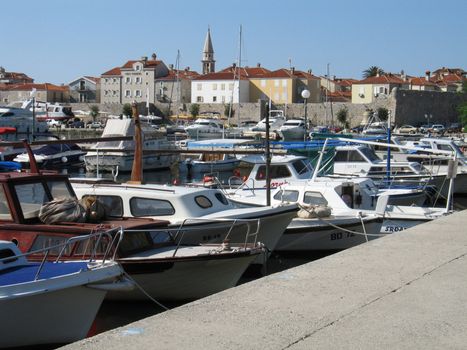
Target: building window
(231, 87)
(284, 83)
(137, 93)
(199, 99)
(138, 80)
(223, 99)
(138, 67)
(214, 99)
(199, 87)
(276, 82)
(381, 90)
(127, 93)
(276, 97)
(222, 86)
(263, 82)
(214, 86)
(284, 96)
(127, 80)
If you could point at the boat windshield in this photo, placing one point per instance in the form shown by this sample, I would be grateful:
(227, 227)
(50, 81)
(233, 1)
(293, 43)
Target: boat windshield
(4, 209)
(33, 195)
(369, 154)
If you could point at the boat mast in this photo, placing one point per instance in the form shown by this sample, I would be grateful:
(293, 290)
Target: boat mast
(137, 169)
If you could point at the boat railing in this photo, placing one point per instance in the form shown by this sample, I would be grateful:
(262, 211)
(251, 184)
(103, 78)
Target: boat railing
(114, 237)
(250, 234)
(243, 185)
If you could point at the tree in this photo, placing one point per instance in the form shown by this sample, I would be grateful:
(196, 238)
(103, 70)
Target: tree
(462, 110)
(229, 110)
(94, 112)
(126, 109)
(342, 115)
(383, 113)
(194, 110)
(372, 71)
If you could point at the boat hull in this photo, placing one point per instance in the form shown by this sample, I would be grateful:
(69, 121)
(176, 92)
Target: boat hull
(124, 162)
(183, 279)
(316, 234)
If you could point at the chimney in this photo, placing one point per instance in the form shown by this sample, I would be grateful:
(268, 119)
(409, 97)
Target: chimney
(427, 75)
(234, 65)
(144, 59)
(333, 77)
(309, 71)
(187, 69)
(293, 70)
(171, 66)
(154, 56)
(377, 73)
(258, 65)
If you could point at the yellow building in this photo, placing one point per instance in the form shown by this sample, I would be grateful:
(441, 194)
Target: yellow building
(284, 86)
(366, 90)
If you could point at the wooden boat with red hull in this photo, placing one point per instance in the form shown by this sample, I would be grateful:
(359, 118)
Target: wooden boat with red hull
(162, 268)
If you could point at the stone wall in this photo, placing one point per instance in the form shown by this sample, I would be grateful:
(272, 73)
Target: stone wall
(412, 106)
(406, 107)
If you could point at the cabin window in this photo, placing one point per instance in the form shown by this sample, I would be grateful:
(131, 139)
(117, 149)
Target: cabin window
(59, 189)
(341, 156)
(113, 205)
(243, 170)
(88, 246)
(286, 196)
(277, 171)
(150, 207)
(4, 209)
(203, 202)
(300, 166)
(367, 152)
(354, 156)
(314, 198)
(445, 147)
(43, 241)
(221, 198)
(31, 197)
(134, 241)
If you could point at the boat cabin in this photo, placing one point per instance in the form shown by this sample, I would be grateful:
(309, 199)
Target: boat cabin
(22, 196)
(362, 161)
(252, 170)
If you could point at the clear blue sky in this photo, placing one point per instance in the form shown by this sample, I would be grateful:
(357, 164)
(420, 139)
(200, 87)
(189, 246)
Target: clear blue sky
(58, 40)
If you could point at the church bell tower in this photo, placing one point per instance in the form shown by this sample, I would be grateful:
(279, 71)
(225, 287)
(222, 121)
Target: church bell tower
(208, 55)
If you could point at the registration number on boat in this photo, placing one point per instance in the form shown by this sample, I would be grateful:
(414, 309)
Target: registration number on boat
(394, 228)
(340, 235)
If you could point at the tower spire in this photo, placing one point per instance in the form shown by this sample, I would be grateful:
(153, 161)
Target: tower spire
(208, 61)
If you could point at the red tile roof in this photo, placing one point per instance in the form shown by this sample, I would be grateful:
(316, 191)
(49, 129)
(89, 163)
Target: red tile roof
(94, 79)
(421, 81)
(182, 74)
(288, 73)
(346, 82)
(42, 87)
(248, 72)
(113, 71)
(147, 64)
(382, 79)
(220, 76)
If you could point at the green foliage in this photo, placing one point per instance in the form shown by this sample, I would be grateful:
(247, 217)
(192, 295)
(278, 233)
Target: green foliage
(462, 116)
(464, 87)
(194, 110)
(383, 113)
(94, 112)
(126, 109)
(227, 110)
(342, 115)
(372, 71)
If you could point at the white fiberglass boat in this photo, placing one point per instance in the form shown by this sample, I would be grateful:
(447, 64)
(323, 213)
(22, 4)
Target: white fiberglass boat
(51, 302)
(204, 128)
(118, 155)
(293, 130)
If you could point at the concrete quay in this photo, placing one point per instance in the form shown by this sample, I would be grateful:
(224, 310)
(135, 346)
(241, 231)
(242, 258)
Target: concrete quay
(404, 291)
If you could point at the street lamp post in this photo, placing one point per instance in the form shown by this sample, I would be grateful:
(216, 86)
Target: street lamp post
(305, 95)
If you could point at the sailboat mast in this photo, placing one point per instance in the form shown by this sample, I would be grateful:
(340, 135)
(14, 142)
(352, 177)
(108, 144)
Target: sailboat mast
(239, 72)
